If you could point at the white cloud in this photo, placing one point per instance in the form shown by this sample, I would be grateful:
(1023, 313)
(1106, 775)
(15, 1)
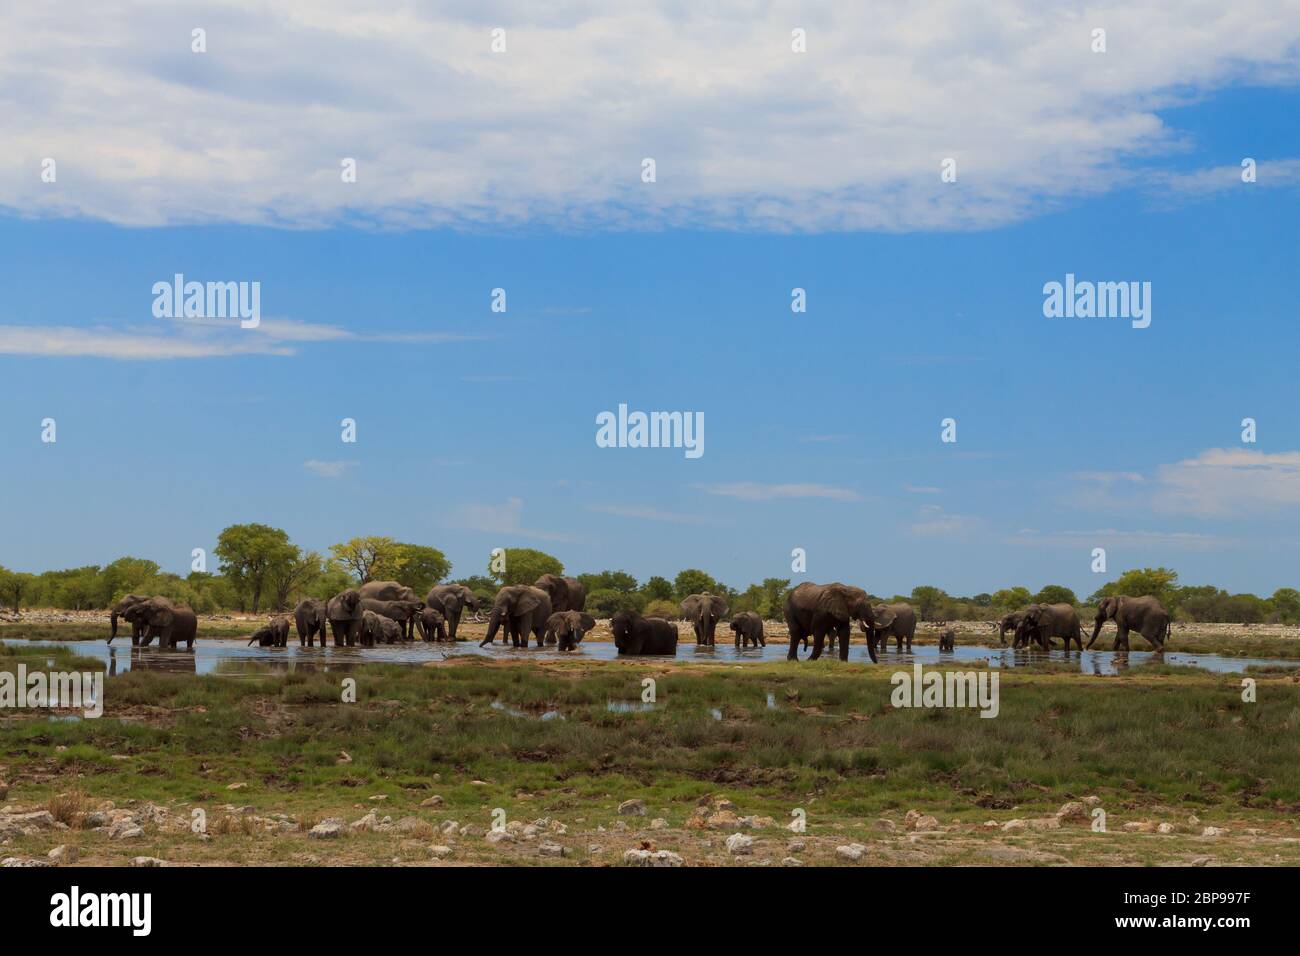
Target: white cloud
(1229, 482)
(503, 519)
(650, 514)
(746, 134)
(1113, 537)
(934, 522)
(192, 339)
(922, 489)
(328, 469)
(754, 491)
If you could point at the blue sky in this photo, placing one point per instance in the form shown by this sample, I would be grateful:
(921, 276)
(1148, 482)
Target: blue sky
(477, 430)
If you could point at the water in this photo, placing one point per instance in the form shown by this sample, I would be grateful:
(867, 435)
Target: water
(232, 658)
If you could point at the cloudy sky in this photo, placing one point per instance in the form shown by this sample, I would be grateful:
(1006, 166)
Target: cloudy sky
(774, 169)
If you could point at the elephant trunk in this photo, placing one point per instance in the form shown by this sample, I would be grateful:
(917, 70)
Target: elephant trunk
(112, 621)
(1096, 629)
(494, 622)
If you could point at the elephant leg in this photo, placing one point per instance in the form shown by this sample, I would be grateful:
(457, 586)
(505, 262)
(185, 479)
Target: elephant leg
(844, 640)
(819, 642)
(796, 636)
(1121, 636)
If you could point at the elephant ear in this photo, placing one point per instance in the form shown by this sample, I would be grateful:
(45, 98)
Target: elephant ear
(719, 605)
(530, 600)
(588, 622)
(834, 601)
(688, 606)
(883, 615)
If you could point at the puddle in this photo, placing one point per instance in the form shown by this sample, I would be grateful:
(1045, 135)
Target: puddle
(628, 706)
(515, 712)
(232, 658)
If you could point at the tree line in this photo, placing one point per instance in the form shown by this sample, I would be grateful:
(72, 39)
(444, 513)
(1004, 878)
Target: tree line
(260, 569)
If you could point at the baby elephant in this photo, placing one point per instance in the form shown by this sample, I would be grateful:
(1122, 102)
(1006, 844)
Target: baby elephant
(947, 639)
(749, 629)
(568, 628)
(275, 633)
(431, 624)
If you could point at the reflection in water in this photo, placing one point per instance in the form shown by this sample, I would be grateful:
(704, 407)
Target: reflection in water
(233, 659)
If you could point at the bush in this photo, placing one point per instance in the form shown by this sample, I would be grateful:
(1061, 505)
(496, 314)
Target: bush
(606, 602)
(661, 608)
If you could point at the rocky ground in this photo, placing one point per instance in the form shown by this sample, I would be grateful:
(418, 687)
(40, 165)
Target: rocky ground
(717, 832)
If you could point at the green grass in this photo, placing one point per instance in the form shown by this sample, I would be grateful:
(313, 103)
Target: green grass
(1156, 736)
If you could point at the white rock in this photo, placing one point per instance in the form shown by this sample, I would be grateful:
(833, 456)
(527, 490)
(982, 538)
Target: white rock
(739, 844)
(791, 861)
(1213, 831)
(651, 858)
(147, 861)
(328, 829)
(852, 851)
(64, 854)
(550, 849)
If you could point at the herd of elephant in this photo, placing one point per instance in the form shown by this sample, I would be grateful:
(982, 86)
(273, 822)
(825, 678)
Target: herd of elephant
(553, 611)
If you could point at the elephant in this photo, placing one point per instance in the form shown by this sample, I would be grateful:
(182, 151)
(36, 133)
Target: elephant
(430, 622)
(748, 627)
(704, 611)
(119, 609)
(524, 610)
(947, 640)
(1042, 622)
(1146, 615)
(567, 594)
(392, 631)
(816, 609)
(392, 591)
(461, 596)
(170, 623)
(894, 620)
(568, 627)
(634, 634)
(275, 633)
(344, 612)
(309, 617)
(1009, 622)
(371, 631)
(402, 611)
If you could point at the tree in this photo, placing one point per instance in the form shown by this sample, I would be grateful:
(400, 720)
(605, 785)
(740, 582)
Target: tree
(523, 566)
(248, 553)
(694, 581)
(775, 591)
(658, 589)
(1286, 602)
(608, 580)
(927, 599)
(1160, 583)
(1055, 594)
(1011, 598)
(606, 602)
(374, 558)
(126, 576)
(422, 567)
(13, 586)
(292, 576)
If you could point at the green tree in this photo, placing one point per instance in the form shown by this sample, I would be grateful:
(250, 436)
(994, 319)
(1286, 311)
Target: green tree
(694, 581)
(422, 567)
(293, 575)
(1011, 598)
(248, 554)
(1286, 603)
(775, 591)
(126, 576)
(373, 558)
(1160, 583)
(1055, 594)
(927, 600)
(606, 602)
(658, 589)
(608, 580)
(523, 566)
(13, 586)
